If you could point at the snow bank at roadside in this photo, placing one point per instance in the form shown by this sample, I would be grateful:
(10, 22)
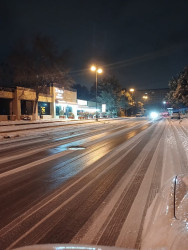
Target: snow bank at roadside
(15, 129)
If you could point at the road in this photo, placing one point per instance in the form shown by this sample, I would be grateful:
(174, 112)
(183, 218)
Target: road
(84, 184)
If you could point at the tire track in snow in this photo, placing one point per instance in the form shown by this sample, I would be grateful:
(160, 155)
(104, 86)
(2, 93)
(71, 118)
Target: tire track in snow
(110, 235)
(51, 143)
(82, 183)
(24, 177)
(91, 232)
(182, 147)
(17, 161)
(155, 183)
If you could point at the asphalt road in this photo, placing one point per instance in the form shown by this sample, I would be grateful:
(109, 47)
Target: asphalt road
(84, 184)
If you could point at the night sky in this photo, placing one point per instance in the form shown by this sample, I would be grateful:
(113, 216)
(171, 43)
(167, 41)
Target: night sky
(142, 43)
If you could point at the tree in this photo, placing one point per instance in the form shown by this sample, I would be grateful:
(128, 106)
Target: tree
(178, 94)
(181, 92)
(125, 101)
(109, 99)
(38, 65)
(170, 95)
(108, 92)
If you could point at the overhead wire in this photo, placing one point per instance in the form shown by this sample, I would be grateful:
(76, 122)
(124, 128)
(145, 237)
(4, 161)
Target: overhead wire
(131, 61)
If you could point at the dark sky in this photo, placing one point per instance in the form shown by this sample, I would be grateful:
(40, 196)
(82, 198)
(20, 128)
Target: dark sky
(143, 43)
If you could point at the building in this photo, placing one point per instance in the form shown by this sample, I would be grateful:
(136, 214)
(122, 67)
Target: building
(64, 103)
(18, 103)
(87, 109)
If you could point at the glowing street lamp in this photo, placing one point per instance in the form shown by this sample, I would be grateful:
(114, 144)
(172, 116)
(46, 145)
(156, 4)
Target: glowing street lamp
(132, 91)
(93, 68)
(145, 97)
(97, 71)
(164, 103)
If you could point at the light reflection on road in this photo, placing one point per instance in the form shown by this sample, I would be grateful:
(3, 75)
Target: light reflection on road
(65, 170)
(51, 184)
(78, 161)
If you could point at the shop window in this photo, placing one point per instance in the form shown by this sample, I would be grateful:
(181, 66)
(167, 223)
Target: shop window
(26, 107)
(43, 108)
(5, 106)
(58, 108)
(68, 110)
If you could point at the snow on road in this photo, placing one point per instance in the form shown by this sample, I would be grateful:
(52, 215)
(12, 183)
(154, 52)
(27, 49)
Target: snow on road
(175, 138)
(170, 158)
(175, 149)
(118, 219)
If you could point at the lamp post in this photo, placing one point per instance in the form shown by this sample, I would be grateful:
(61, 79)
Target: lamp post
(97, 71)
(164, 102)
(145, 97)
(132, 91)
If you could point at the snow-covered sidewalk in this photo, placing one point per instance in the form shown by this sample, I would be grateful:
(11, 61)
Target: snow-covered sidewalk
(13, 129)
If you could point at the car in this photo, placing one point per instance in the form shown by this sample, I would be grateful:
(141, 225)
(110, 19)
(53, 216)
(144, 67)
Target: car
(139, 115)
(164, 114)
(175, 115)
(166, 221)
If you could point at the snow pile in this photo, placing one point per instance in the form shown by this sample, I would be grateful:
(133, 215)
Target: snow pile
(166, 225)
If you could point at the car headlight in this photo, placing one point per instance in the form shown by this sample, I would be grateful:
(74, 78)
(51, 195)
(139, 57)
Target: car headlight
(154, 115)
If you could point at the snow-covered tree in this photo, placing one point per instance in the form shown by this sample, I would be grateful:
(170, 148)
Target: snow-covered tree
(181, 92)
(178, 94)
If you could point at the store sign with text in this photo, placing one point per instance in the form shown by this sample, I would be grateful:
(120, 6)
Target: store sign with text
(82, 102)
(59, 94)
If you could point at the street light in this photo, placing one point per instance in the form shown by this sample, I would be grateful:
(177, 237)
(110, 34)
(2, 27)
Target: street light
(164, 102)
(145, 97)
(97, 71)
(132, 91)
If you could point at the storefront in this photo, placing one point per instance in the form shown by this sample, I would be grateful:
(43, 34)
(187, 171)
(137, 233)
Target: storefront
(6, 104)
(18, 103)
(87, 109)
(65, 103)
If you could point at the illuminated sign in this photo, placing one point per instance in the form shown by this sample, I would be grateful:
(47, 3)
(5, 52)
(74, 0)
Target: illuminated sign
(82, 102)
(103, 107)
(59, 93)
(43, 110)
